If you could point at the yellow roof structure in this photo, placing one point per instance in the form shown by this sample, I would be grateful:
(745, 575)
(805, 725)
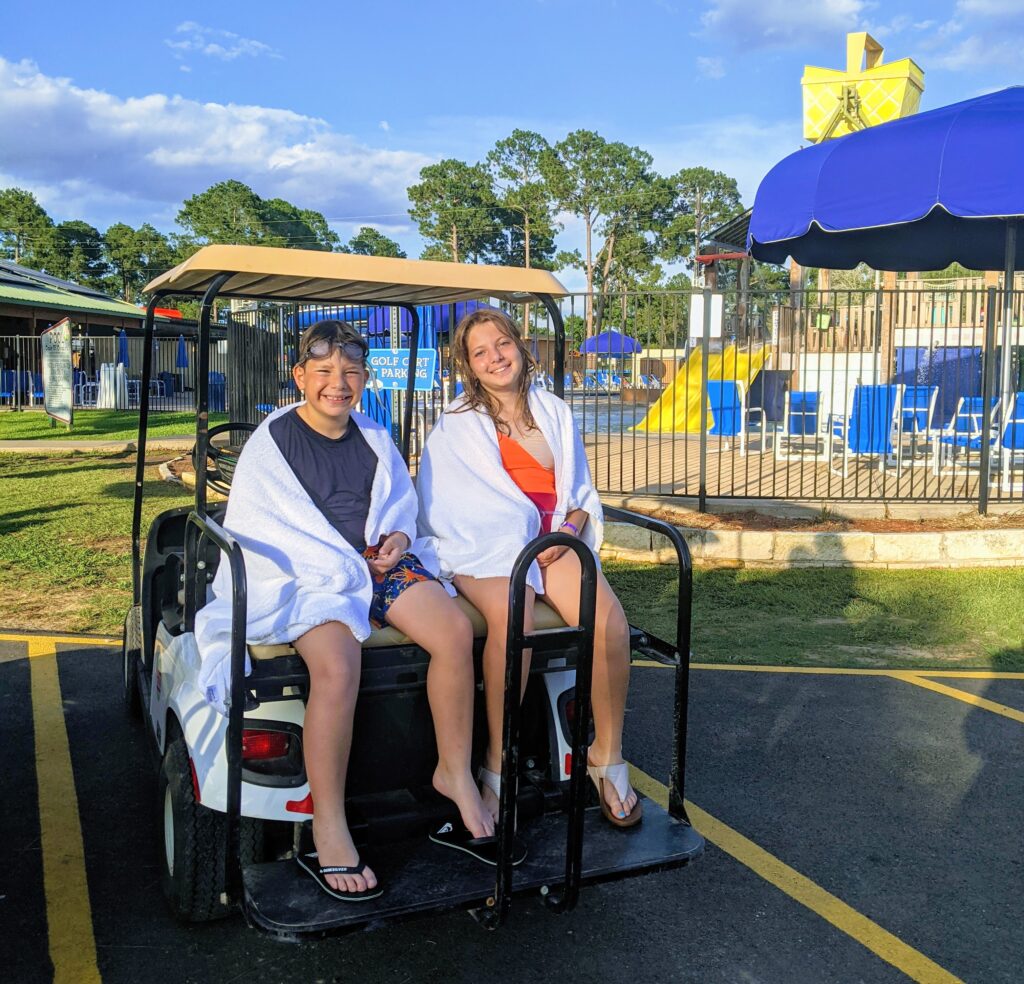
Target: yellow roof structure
(866, 94)
(311, 275)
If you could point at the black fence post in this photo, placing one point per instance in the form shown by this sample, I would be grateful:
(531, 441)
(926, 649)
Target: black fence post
(987, 384)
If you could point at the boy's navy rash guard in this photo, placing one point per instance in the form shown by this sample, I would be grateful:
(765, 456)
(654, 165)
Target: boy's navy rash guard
(337, 473)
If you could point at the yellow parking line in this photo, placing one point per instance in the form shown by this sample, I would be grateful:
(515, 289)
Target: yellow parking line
(53, 640)
(880, 941)
(968, 698)
(841, 670)
(68, 913)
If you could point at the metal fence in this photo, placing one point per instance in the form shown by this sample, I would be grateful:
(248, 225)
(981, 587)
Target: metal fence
(895, 395)
(172, 386)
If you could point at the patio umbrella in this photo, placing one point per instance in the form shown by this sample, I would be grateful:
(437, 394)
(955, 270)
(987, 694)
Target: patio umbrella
(611, 342)
(181, 358)
(915, 194)
(122, 349)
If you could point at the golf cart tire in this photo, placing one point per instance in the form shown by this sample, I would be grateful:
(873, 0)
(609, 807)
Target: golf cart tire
(130, 676)
(192, 860)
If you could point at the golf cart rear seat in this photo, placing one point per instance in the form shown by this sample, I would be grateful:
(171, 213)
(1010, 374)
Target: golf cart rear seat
(545, 616)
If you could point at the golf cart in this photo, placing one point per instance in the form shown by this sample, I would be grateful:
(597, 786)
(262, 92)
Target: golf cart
(233, 796)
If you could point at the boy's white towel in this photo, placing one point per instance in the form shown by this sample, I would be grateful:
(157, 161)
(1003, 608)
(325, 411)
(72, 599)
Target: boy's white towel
(300, 571)
(481, 518)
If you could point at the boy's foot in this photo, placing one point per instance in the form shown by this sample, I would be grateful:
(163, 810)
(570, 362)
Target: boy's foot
(462, 791)
(334, 847)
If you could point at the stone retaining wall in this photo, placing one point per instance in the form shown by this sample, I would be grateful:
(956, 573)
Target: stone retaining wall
(795, 548)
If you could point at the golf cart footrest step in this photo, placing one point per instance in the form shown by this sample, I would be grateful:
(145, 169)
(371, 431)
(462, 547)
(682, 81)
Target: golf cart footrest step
(422, 877)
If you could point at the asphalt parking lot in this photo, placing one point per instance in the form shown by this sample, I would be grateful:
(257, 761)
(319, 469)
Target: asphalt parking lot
(861, 826)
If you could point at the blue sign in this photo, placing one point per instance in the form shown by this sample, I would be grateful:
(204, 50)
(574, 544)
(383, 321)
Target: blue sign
(390, 366)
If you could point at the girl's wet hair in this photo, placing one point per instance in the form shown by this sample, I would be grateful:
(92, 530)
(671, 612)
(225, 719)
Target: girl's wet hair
(476, 397)
(323, 337)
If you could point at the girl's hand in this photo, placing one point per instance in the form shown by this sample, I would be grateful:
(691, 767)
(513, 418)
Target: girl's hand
(389, 553)
(547, 557)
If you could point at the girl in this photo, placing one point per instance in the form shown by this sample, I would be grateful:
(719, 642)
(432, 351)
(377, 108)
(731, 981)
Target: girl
(325, 511)
(503, 464)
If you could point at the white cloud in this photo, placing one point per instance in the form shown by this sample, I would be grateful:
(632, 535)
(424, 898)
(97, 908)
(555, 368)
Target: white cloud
(385, 126)
(781, 23)
(743, 147)
(215, 43)
(977, 53)
(990, 8)
(89, 154)
(711, 68)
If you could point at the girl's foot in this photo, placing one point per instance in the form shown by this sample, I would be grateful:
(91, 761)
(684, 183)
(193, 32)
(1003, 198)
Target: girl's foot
(616, 807)
(490, 790)
(334, 846)
(461, 790)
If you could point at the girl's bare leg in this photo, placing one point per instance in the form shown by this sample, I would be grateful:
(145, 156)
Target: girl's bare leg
(334, 658)
(611, 662)
(426, 614)
(490, 597)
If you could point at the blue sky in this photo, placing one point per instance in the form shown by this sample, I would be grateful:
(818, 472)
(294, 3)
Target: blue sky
(117, 112)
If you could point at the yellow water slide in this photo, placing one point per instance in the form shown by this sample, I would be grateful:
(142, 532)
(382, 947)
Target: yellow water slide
(678, 410)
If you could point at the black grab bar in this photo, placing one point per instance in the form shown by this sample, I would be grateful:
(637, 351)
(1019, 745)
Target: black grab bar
(518, 640)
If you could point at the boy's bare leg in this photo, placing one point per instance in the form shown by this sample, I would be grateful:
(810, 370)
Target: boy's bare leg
(611, 662)
(334, 659)
(489, 595)
(426, 614)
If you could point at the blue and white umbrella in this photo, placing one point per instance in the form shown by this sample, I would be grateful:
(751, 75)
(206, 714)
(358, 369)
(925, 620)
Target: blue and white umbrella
(122, 349)
(181, 359)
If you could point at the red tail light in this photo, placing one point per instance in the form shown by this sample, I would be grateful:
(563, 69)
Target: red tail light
(264, 745)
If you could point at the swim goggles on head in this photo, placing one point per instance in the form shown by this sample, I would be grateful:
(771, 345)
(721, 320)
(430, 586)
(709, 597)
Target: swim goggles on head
(322, 348)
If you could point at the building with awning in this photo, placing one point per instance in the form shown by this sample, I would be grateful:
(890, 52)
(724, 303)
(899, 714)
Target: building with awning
(31, 301)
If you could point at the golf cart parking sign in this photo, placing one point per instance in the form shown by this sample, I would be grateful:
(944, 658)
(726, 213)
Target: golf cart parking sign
(390, 366)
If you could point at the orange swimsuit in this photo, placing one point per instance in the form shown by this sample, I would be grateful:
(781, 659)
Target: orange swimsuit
(535, 481)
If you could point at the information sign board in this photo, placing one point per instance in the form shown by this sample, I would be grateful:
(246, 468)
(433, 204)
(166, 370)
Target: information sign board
(58, 375)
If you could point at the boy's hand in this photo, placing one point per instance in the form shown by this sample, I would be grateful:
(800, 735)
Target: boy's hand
(389, 553)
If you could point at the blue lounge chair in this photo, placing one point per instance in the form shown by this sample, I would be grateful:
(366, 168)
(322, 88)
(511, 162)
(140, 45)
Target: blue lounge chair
(1011, 442)
(730, 414)
(963, 433)
(7, 388)
(34, 387)
(871, 428)
(918, 409)
(800, 419)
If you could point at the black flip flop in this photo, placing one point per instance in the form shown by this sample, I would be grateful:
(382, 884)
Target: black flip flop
(482, 848)
(310, 863)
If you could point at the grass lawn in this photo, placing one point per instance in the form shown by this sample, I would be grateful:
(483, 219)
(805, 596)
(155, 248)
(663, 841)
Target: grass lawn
(100, 425)
(65, 525)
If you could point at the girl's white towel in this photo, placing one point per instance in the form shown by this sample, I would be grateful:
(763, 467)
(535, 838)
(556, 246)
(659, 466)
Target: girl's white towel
(300, 571)
(481, 518)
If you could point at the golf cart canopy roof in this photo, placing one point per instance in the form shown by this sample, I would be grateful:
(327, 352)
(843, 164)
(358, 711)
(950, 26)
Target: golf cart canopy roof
(312, 275)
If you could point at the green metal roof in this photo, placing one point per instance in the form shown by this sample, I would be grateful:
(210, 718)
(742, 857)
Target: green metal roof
(63, 300)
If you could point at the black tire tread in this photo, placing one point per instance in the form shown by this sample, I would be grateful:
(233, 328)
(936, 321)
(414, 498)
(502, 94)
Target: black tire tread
(194, 891)
(130, 678)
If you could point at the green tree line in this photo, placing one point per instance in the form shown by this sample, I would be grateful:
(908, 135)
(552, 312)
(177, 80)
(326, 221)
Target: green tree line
(122, 260)
(508, 208)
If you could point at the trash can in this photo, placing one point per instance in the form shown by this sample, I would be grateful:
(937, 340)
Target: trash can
(217, 396)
